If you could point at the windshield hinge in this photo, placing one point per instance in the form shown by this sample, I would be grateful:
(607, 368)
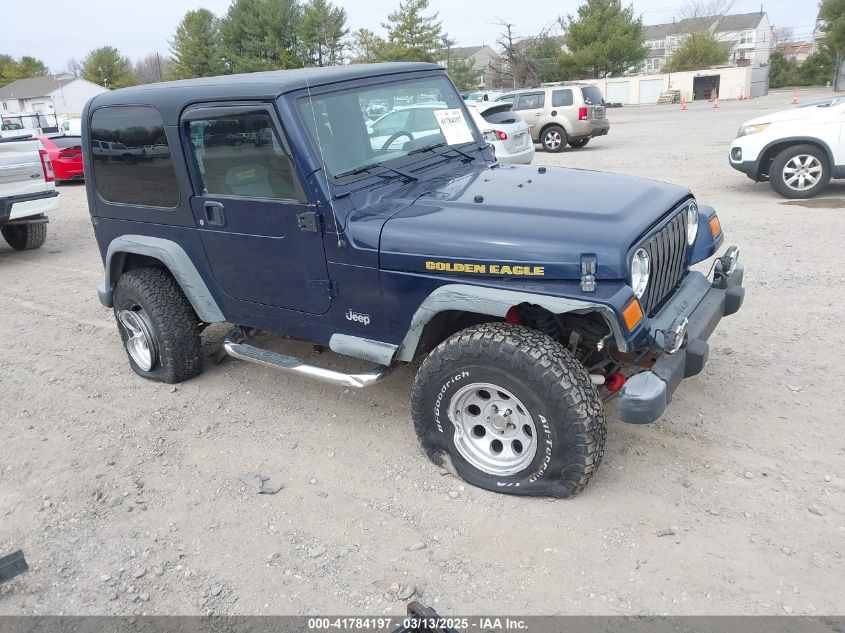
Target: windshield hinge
(309, 222)
(323, 287)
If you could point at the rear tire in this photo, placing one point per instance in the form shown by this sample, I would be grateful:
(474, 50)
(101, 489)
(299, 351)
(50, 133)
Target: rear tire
(800, 172)
(25, 237)
(158, 326)
(581, 142)
(553, 139)
(509, 409)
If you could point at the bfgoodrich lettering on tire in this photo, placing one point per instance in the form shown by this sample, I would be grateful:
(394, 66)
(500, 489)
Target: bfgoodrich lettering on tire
(511, 409)
(158, 326)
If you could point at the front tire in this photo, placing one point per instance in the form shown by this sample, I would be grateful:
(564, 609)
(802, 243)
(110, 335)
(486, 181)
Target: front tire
(158, 326)
(800, 172)
(553, 139)
(25, 237)
(510, 410)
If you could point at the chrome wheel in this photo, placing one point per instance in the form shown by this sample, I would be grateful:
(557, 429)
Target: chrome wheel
(493, 430)
(802, 172)
(552, 140)
(140, 343)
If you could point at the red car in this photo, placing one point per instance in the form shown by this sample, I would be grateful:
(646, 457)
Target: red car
(65, 153)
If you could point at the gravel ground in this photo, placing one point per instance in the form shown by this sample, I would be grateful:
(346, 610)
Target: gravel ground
(125, 494)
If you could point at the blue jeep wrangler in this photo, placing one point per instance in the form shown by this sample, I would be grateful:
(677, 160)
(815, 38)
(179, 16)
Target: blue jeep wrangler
(359, 207)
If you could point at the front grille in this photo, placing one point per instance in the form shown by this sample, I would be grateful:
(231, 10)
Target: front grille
(667, 250)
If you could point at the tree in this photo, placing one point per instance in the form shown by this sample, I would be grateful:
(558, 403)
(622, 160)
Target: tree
(12, 69)
(73, 67)
(513, 67)
(6, 67)
(782, 72)
(411, 35)
(546, 59)
(604, 39)
(30, 67)
(463, 73)
(323, 32)
(107, 67)
(150, 69)
(817, 69)
(262, 35)
(781, 35)
(366, 46)
(195, 46)
(832, 16)
(698, 50)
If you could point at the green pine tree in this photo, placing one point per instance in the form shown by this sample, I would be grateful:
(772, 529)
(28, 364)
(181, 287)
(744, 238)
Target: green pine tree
(412, 35)
(323, 32)
(196, 46)
(107, 67)
(262, 35)
(604, 39)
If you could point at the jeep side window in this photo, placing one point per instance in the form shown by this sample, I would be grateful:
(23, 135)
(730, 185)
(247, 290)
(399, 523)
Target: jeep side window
(241, 155)
(124, 172)
(530, 101)
(561, 98)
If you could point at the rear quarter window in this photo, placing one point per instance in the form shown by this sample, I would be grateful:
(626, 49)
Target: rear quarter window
(508, 116)
(592, 96)
(562, 98)
(64, 142)
(132, 163)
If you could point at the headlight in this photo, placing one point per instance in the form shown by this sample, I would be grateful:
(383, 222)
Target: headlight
(640, 270)
(692, 223)
(745, 130)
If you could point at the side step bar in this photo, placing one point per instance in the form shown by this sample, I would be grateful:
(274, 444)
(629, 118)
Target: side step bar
(265, 357)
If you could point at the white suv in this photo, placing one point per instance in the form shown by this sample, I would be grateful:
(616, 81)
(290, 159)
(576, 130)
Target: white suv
(798, 150)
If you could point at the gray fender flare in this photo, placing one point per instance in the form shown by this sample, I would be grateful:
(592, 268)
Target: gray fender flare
(494, 302)
(177, 262)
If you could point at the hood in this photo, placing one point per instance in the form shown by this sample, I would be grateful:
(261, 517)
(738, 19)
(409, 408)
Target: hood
(537, 222)
(811, 111)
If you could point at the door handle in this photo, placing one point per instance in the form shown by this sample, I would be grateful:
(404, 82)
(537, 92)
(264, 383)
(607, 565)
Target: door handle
(214, 214)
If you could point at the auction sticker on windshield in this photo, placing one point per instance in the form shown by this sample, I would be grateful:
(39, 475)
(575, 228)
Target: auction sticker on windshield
(454, 126)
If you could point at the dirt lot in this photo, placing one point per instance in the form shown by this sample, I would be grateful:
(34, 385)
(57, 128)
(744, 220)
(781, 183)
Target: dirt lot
(124, 494)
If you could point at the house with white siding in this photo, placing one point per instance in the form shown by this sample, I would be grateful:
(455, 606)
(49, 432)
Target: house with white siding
(62, 95)
(747, 37)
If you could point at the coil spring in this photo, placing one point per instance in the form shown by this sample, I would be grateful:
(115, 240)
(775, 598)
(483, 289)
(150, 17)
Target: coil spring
(540, 319)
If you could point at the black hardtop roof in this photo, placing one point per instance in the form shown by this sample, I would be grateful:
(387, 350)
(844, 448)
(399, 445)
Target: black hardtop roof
(170, 97)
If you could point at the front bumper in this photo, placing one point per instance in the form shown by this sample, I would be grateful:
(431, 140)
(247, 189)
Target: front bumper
(644, 397)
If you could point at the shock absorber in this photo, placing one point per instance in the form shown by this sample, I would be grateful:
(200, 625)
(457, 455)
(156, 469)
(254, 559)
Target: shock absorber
(540, 319)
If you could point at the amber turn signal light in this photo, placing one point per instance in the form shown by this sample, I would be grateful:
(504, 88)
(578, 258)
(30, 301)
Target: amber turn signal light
(633, 314)
(715, 226)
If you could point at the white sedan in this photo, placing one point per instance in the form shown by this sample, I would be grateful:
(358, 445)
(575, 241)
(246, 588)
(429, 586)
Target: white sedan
(504, 130)
(798, 150)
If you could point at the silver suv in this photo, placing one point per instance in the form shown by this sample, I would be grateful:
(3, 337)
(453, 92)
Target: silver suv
(561, 114)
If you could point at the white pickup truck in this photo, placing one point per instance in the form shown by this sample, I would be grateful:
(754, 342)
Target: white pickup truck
(27, 192)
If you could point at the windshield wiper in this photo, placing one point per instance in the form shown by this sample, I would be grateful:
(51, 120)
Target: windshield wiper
(429, 148)
(371, 166)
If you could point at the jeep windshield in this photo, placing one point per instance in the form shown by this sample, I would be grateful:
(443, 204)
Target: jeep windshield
(356, 130)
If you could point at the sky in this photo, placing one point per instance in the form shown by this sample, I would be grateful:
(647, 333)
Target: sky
(58, 31)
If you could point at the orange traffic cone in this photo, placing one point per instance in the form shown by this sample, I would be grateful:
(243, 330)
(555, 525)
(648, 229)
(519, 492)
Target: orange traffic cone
(794, 96)
(683, 103)
(716, 100)
(742, 95)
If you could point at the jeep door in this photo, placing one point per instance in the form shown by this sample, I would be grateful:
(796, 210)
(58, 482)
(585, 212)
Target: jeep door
(246, 203)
